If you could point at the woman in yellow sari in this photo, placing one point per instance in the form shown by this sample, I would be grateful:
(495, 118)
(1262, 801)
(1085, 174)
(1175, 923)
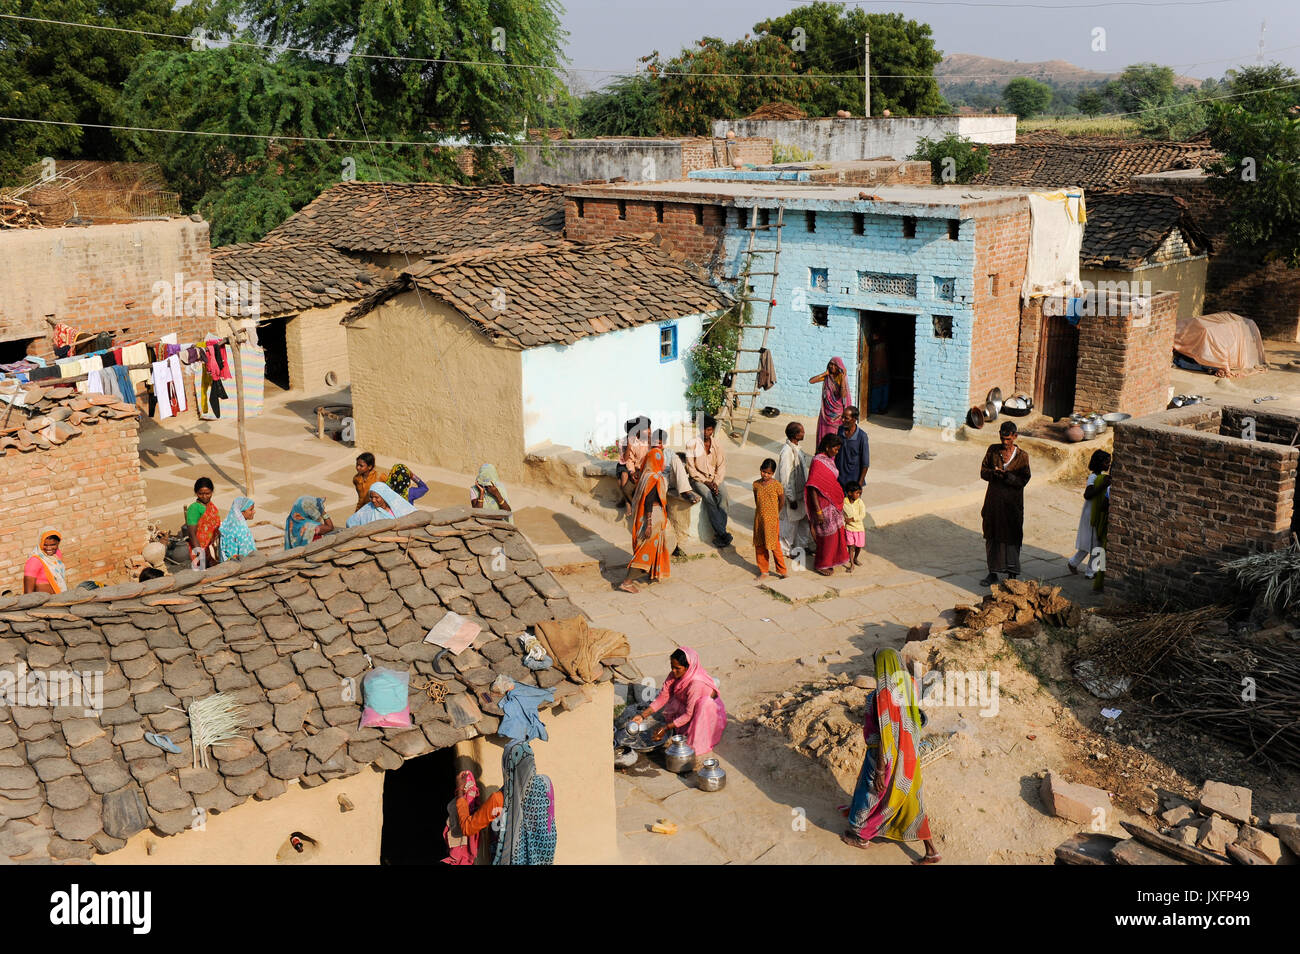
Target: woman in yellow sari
(887, 801)
(649, 523)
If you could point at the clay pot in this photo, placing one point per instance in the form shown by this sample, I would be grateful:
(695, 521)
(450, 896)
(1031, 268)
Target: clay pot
(1074, 433)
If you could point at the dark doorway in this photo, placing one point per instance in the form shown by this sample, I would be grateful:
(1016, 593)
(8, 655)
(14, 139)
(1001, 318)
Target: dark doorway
(13, 351)
(271, 338)
(415, 809)
(1058, 359)
(895, 360)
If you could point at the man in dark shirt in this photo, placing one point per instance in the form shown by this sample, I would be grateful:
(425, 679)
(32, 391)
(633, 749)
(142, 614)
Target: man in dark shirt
(855, 454)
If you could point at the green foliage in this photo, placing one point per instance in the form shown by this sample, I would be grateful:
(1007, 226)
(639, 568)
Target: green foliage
(1258, 134)
(629, 106)
(73, 75)
(1178, 120)
(969, 159)
(1027, 97)
(785, 153)
(1090, 102)
(711, 359)
(1140, 85)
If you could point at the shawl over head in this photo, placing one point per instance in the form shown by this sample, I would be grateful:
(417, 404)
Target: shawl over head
(823, 477)
(307, 515)
(236, 537)
(696, 680)
(397, 507)
(55, 572)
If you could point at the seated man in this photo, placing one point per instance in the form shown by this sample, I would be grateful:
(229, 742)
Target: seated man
(679, 482)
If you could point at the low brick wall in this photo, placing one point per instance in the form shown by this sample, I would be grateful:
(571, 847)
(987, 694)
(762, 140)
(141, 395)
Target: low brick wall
(89, 489)
(1125, 359)
(1188, 493)
(705, 153)
(689, 230)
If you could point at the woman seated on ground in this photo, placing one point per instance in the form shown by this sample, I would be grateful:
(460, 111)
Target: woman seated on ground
(689, 703)
(307, 522)
(887, 801)
(367, 476)
(44, 571)
(488, 493)
(384, 505)
(405, 484)
(236, 534)
(203, 524)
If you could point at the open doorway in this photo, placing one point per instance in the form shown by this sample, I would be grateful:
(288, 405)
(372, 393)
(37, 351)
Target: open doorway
(16, 350)
(892, 337)
(415, 809)
(1058, 362)
(271, 338)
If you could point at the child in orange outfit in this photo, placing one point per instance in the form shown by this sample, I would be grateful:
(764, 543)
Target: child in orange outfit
(769, 497)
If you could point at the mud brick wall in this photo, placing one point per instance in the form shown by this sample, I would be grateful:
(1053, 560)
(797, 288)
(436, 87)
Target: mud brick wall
(690, 230)
(1031, 329)
(1001, 255)
(1186, 498)
(876, 173)
(1125, 359)
(89, 489)
(100, 278)
(699, 153)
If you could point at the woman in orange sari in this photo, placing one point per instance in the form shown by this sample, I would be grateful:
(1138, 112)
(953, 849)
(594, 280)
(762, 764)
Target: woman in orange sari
(649, 523)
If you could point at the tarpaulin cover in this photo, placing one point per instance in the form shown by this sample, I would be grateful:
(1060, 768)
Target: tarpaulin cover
(1226, 342)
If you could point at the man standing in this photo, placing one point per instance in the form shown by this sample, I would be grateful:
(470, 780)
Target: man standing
(792, 473)
(855, 455)
(706, 464)
(631, 455)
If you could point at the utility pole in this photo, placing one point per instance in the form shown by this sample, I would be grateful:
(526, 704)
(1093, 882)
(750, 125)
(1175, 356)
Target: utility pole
(1260, 57)
(866, 75)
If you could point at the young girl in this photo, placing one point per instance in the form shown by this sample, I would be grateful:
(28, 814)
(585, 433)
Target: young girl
(855, 516)
(1085, 540)
(769, 496)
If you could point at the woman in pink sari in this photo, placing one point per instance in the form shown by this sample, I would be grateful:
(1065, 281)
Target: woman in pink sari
(835, 397)
(689, 703)
(825, 501)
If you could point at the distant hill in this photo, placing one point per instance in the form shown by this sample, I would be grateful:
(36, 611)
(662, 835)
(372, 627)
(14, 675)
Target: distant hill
(957, 69)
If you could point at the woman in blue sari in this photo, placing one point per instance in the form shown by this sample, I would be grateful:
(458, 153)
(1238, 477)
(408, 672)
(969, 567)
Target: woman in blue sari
(307, 522)
(236, 536)
(384, 504)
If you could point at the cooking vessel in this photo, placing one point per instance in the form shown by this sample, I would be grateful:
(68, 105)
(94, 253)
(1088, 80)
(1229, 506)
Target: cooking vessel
(710, 777)
(990, 412)
(1089, 430)
(1074, 433)
(1115, 417)
(1016, 407)
(975, 417)
(679, 757)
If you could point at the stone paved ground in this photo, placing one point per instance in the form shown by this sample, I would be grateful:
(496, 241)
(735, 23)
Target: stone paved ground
(751, 638)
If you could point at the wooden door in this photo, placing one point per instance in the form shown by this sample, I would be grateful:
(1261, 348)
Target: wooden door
(1058, 360)
(864, 362)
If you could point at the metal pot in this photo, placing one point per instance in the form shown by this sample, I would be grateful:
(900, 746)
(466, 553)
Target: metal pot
(975, 417)
(711, 777)
(679, 757)
(1089, 430)
(1115, 417)
(990, 412)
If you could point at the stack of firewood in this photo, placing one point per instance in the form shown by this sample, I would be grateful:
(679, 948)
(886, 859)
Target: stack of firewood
(17, 214)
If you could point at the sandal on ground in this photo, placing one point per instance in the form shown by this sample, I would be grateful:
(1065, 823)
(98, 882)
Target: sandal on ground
(163, 742)
(627, 587)
(851, 839)
(928, 860)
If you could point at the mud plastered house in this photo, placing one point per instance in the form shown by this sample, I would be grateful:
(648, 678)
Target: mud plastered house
(288, 636)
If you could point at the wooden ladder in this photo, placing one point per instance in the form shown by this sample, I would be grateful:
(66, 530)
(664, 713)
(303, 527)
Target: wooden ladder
(746, 296)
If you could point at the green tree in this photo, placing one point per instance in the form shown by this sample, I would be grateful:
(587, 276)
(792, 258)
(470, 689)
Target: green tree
(953, 158)
(1178, 120)
(903, 58)
(629, 106)
(73, 74)
(1027, 97)
(1258, 135)
(1090, 102)
(1139, 84)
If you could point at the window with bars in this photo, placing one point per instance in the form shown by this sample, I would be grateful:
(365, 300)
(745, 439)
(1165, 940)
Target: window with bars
(945, 289)
(882, 283)
(667, 343)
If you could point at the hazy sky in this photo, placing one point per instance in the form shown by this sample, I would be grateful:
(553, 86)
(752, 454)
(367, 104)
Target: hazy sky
(1198, 40)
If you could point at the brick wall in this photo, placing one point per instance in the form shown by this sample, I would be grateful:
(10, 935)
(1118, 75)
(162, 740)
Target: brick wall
(1031, 328)
(875, 173)
(317, 344)
(1002, 251)
(691, 230)
(701, 154)
(1185, 498)
(100, 278)
(1236, 280)
(1124, 359)
(89, 489)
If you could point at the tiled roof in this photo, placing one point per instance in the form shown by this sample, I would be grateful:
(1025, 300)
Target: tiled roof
(541, 294)
(284, 635)
(44, 415)
(1088, 163)
(295, 276)
(1125, 228)
(425, 218)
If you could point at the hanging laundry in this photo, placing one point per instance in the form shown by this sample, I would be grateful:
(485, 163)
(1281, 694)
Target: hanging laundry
(253, 360)
(137, 354)
(95, 382)
(766, 370)
(124, 386)
(168, 387)
(63, 338)
(217, 394)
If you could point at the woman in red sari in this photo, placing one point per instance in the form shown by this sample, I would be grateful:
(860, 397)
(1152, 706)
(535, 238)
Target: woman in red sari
(649, 523)
(835, 397)
(825, 500)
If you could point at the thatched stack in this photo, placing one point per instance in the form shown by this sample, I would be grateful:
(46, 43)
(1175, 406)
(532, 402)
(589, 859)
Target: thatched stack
(780, 111)
(1015, 603)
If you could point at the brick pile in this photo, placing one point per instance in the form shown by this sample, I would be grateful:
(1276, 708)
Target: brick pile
(1188, 494)
(289, 638)
(71, 462)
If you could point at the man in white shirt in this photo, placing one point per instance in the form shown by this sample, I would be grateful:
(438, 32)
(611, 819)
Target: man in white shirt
(792, 473)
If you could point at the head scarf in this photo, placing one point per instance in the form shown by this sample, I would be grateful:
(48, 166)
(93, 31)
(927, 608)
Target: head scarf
(55, 572)
(487, 474)
(835, 397)
(236, 537)
(694, 681)
(399, 479)
(898, 718)
(307, 515)
(397, 507)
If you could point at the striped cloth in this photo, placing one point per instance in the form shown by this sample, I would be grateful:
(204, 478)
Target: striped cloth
(253, 361)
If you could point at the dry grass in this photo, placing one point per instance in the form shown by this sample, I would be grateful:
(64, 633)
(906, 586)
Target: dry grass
(1117, 126)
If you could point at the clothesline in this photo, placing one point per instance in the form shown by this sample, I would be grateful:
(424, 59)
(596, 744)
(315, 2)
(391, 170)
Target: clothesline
(56, 382)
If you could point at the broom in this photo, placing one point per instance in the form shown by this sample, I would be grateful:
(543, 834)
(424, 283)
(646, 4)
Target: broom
(216, 720)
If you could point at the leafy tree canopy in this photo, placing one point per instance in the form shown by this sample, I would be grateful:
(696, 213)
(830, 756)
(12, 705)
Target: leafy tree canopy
(1027, 97)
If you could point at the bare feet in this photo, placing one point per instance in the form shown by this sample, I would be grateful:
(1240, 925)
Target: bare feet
(851, 839)
(825, 572)
(849, 568)
(783, 575)
(762, 576)
(857, 561)
(628, 587)
(929, 859)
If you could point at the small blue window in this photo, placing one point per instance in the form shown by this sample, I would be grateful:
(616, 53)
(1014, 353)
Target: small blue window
(818, 278)
(667, 343)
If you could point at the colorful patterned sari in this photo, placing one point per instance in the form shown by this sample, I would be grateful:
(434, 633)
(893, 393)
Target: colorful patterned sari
(892, 725)
(835, 398)
(306, 517)
(650, 519)
(823, 493)
(236, 535)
